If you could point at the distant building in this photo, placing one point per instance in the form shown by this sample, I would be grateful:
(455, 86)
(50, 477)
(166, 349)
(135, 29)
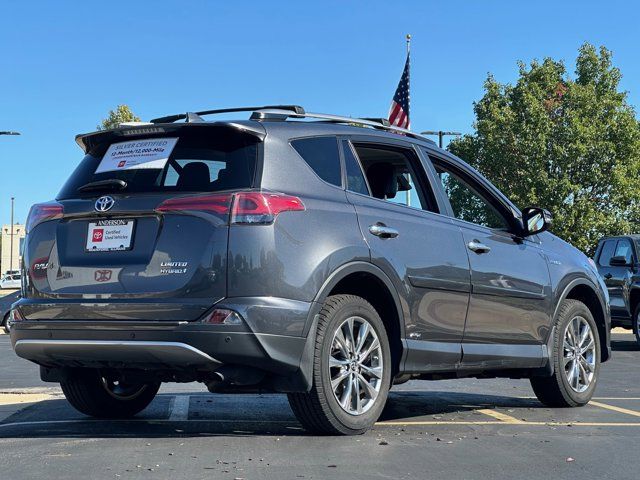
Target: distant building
(8, 261)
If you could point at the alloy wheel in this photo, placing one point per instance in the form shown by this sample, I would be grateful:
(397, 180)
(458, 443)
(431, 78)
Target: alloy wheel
(579, 354)
(356, 365)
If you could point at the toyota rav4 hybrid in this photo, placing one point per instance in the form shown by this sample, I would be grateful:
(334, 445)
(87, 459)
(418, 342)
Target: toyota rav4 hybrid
(324, 257)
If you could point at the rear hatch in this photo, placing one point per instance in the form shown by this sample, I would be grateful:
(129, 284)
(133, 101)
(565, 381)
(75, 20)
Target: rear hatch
(140, 229)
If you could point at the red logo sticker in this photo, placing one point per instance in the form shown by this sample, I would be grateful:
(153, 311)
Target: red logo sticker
(98, 234)
(122, 163)
(102, 275)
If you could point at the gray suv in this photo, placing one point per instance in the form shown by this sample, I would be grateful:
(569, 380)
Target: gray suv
(324, 257)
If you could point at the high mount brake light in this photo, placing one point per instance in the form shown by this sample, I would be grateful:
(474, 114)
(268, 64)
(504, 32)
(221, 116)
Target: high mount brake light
(41, 212)
(246, 208)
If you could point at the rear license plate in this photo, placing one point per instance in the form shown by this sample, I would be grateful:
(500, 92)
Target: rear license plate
(110, 235)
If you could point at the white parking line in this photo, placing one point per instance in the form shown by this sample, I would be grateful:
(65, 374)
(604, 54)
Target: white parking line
(179, 408)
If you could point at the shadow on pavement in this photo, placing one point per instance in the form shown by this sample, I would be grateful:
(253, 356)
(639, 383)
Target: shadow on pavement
(625, 345)
(408, 405)
(228, 415)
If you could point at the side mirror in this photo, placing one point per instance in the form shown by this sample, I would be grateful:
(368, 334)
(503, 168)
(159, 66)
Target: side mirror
(535, 220)
(619, 261)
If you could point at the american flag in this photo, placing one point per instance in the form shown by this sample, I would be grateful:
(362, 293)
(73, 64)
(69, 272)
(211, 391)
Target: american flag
(399, 111)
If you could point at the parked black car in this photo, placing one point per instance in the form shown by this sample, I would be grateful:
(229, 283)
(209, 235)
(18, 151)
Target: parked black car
(617, 261)
(326, 257)
(5, 308)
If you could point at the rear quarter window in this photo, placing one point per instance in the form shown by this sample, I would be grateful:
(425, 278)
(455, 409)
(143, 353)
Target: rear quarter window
(321, 154)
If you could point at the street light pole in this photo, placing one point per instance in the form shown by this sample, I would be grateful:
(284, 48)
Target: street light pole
(440, 135)
(10, 132)
(11, 239)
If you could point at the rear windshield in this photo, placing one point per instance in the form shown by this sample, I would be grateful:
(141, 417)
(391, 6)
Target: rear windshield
(207, 160)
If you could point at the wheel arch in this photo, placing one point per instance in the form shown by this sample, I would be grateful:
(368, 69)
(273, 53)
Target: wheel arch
(584, 290)
(374, 285)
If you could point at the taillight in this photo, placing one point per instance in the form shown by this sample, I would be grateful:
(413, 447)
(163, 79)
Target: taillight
(260, 207)
(42, 212)
(248, 208)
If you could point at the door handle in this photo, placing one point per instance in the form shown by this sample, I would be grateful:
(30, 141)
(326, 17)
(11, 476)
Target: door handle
(478, 247)
(382, 231)
(608, 276)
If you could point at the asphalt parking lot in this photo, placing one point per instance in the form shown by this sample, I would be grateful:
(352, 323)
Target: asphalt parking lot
(449, 429)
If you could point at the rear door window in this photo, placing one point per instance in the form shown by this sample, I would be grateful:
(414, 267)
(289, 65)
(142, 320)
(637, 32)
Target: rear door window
(206, 160)
(394, 174)
(321, 154)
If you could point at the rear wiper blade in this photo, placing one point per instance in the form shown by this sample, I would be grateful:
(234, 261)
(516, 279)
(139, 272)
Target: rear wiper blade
(108, 184)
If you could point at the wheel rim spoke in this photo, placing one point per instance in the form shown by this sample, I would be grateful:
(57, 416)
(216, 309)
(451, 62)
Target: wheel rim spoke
(356, 392)
(350, 339)
(372, 371)
(363, 334)
(345, 401)
(374, 346)
(589, 346)
(337, 362)
(341, 343)
(335, 382)
(371, 392)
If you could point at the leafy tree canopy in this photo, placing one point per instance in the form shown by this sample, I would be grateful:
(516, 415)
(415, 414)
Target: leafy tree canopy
(567, 143)
(121, 114)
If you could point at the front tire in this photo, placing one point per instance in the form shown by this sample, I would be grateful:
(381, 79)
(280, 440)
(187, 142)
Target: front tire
(576, 357)
(351, 370)
(95, 395)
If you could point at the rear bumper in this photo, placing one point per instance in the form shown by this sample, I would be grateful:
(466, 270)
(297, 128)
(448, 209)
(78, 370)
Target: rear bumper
(48, 352)
(153, 345)
(273, 341)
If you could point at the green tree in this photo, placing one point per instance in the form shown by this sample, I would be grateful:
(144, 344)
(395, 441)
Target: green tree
(121, 114)
(568, 143)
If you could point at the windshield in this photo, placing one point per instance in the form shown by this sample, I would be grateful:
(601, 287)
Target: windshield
(205, 160)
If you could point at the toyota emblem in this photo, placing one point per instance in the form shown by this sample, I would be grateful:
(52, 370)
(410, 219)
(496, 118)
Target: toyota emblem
(104, 204)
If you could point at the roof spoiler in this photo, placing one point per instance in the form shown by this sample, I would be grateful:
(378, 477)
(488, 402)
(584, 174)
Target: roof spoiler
(87, 141)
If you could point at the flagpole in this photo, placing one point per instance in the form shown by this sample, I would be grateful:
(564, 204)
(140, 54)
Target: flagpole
(408, 37)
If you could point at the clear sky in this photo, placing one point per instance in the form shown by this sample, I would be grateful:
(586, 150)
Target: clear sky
(64, 65)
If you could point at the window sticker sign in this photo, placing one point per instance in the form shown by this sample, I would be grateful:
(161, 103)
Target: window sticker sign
(137, 154)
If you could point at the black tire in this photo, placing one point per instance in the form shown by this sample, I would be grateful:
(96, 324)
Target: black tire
(635, 323)
(318, 410)
(555, 391)
(87, 392)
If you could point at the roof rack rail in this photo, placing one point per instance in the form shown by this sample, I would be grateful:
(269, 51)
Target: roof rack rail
(283, 112)
(378, 123)
(194, 116)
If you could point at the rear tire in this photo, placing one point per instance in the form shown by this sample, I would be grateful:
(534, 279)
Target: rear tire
(97, 396)
(351, 372)
(636, 324)
(575, 374)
